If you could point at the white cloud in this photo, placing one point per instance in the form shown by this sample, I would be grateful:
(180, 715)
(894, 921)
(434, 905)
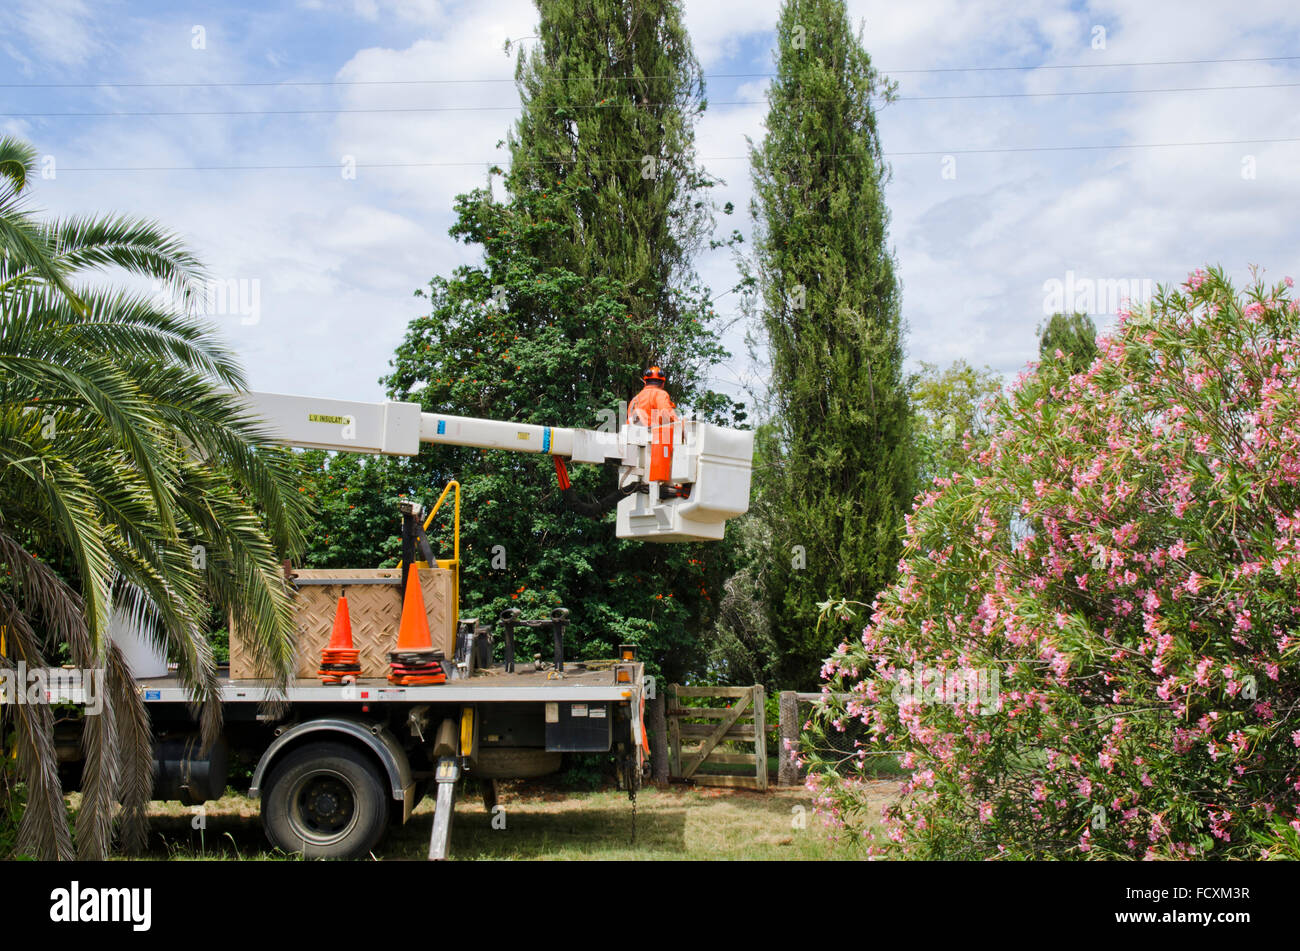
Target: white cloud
(718, 28)
(56, 30)
(422, 12)
(339, 259)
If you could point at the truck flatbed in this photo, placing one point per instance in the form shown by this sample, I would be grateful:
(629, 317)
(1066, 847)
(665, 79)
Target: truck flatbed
(492, 685)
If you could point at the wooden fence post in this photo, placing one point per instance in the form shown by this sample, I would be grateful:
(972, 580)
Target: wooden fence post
(787, 774)
(658, 740)
(675, 733)
(760, 736)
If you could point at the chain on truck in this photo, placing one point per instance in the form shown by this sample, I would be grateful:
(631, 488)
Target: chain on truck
(338, 757)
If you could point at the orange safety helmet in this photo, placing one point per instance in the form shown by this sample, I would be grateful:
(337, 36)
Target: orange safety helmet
(654, 375)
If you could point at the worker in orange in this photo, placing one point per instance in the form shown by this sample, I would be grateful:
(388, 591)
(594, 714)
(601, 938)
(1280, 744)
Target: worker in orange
(653, 407)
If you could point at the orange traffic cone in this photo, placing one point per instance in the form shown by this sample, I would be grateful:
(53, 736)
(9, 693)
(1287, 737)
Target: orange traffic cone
(341, 638)
(415, 662)
(414, 632)
(340, 660)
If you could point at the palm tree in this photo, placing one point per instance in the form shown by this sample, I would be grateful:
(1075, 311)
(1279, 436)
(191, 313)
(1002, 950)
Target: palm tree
(130, 481)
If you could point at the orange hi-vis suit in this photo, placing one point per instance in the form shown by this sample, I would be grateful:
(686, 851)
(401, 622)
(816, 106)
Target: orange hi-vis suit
(653, 407)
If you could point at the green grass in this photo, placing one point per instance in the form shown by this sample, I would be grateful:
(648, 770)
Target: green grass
(878, 767)
(682, 823)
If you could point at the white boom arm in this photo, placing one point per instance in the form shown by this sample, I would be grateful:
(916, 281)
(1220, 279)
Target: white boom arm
(714, 461)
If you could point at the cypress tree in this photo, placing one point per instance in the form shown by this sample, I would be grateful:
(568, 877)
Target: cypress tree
(610, 97)
(829, 304)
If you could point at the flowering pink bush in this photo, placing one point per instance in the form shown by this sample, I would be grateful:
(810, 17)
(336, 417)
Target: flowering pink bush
(1119, 561)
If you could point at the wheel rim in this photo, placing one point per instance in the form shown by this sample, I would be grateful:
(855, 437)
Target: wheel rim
(323, 807)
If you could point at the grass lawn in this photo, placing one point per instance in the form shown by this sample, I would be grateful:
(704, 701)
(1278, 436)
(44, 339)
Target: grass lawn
(543, 822)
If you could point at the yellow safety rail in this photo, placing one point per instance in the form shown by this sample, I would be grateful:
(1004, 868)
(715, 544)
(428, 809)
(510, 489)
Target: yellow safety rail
(451, 564)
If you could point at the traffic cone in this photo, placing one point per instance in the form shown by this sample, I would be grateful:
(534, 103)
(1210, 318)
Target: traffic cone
(415, 662)
(414, 632)
(341, 637)
(340, 660)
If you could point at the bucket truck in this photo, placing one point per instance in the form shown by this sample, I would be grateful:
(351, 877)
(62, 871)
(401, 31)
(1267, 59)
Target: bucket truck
(335, 764)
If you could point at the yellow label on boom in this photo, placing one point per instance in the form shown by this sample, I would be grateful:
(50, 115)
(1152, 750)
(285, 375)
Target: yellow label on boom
(322, 418)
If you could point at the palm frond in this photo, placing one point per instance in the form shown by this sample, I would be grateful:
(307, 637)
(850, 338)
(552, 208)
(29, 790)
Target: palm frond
(135, 751)
(102, 388)
(73, 518)
(128, 327)
(43, 593)
(135, 245)
(43, 831)
(17, 162)
(24, 246)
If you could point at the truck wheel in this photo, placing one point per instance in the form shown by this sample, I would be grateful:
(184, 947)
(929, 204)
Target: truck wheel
(511, 763)
(327, 801)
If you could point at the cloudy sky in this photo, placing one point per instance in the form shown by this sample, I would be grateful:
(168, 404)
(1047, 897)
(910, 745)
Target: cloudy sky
(1055, 167)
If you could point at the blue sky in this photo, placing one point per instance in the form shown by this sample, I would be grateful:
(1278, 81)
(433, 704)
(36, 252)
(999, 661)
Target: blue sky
(326, 265)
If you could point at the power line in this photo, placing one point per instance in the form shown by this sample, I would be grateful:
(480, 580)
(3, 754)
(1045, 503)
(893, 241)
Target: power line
(1092, 92)
(1093, 148)
(706, 76)
(404, 110)
(1167, 62)
(718, 158)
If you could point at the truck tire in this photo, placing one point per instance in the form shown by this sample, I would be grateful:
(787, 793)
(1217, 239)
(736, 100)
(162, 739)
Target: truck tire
(327, 801)
(514, 763)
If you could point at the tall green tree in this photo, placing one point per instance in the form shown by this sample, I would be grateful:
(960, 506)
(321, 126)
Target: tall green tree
(947, 407)
(585, 280)
(611, 93)
(1074, 335)
(130, 481)
(828, 300)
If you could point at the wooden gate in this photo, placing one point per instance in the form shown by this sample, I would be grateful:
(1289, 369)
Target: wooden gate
(696, 735)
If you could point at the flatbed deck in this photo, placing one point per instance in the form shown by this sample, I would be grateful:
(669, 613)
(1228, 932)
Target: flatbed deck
(490, 685)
